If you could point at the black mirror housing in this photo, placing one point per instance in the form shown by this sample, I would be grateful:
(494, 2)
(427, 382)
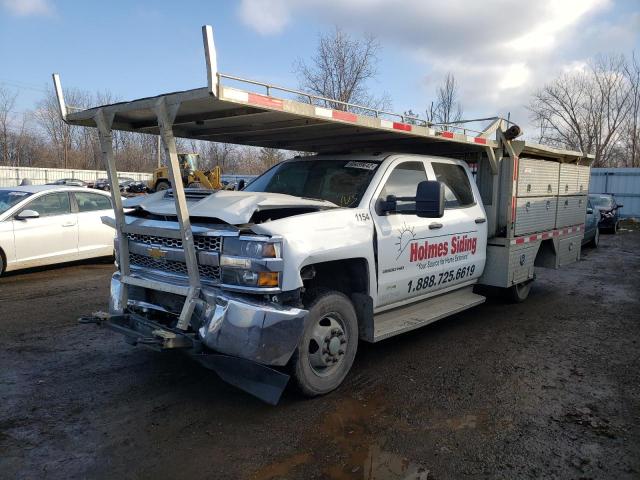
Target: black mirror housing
(430, 199)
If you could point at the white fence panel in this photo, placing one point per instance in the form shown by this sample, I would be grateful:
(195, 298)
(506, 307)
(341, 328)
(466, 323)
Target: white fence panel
(12, 176)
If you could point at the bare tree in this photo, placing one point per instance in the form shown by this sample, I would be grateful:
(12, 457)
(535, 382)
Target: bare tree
(585, 110)
(7, 104)
(268, 157)
(631, 131)
(447, 107)
(340, 69)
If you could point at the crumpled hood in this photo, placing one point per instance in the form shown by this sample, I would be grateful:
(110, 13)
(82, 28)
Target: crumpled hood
(229, 206)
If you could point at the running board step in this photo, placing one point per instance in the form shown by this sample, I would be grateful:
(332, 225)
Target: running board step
(403, 319)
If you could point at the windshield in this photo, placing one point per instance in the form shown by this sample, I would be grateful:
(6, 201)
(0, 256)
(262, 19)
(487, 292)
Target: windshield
(601, 200)
(342, 182)
(9, 198)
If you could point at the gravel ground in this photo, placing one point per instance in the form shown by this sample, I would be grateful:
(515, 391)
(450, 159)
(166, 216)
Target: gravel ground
(548, 388)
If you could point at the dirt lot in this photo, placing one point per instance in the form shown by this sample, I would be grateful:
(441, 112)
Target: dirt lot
(549, 388)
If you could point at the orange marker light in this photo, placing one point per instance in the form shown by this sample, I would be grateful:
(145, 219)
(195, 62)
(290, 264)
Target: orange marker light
(268, 279)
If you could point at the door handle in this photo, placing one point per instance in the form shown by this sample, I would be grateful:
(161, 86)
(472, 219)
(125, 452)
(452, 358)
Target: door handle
(69, 224)
(481, 220)
(435, 226)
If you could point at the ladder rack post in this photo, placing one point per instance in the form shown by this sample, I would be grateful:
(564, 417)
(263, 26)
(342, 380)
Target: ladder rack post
(211, 58)
(166, 114)
(104, 122)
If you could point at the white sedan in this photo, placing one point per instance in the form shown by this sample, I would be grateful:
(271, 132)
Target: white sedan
(45, 224)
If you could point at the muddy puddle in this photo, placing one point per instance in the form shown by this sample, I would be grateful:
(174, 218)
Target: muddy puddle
(350, 448)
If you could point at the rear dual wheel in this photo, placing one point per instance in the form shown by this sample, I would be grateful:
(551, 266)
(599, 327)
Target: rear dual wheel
(518, 293)
(328, 345)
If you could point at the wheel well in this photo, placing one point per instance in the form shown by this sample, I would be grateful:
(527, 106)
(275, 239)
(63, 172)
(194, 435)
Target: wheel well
(347, 276)
(4, 261)
(546, 256)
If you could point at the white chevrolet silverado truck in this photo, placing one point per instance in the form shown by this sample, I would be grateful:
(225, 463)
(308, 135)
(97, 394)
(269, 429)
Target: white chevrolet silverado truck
(391, 226)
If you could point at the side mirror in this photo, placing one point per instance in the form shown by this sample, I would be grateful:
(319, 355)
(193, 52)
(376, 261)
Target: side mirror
(589, 211)
(26, 214)
(241, 184)
(430, 199)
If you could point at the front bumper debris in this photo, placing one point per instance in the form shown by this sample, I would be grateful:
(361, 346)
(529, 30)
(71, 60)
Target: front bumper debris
(241, 339)
(261, 381)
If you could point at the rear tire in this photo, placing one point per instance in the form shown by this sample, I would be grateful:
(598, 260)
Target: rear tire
(518, 293)
(162, 185)
(2, 265)
(328, 345)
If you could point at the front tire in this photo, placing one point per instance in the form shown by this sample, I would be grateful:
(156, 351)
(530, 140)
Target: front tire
(596, 239)
(328, 345)
(162, 185)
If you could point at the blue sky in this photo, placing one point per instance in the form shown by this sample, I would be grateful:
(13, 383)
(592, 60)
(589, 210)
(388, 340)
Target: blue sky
(499, 50)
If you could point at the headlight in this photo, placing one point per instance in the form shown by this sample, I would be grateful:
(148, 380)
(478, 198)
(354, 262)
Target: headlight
(251, 262)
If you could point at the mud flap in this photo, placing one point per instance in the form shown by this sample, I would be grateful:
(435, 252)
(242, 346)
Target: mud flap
(262, 382)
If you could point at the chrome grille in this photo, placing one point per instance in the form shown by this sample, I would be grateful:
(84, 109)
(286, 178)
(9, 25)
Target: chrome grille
(207, 272)
(201, 242)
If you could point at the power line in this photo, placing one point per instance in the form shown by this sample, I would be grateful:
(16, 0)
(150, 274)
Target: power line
(22, 86)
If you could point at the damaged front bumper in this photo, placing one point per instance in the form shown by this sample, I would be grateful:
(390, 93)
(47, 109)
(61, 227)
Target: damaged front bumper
(238, 337)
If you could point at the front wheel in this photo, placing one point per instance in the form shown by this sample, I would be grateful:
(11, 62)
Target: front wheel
(162, 185)
(328, 345)
(596, 239)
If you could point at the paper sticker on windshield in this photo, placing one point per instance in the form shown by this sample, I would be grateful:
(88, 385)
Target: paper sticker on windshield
(362, 165)
(18, 194)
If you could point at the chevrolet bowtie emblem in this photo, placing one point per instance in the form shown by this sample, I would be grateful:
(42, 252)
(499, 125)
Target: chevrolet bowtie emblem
(156, 253)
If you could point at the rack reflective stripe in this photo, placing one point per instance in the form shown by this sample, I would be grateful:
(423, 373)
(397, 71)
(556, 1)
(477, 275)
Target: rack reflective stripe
(481, 140)
(265, 101)
(336, 114)
(344, 116)
(445, 134)
(547, 235)
(405, 127)
(254, 98)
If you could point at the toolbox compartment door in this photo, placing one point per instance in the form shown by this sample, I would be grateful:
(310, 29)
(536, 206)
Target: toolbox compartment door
(535, 214)
(584, 172)
(569, 179)
(569, 250)
(571, 211)
(537, 178)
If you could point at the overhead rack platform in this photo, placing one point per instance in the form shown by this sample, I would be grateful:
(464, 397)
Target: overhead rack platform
(228, 114)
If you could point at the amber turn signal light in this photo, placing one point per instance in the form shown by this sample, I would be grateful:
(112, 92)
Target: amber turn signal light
(268, 279)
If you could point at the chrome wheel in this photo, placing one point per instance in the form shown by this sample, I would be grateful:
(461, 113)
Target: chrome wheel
(328, 344)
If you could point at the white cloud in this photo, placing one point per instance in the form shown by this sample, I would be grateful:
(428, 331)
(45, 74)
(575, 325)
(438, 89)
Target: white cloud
(265, 16)
(499, 51)
(25, 8)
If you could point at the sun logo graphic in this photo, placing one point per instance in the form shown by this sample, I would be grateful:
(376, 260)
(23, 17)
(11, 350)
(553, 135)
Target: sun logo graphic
(405, 237)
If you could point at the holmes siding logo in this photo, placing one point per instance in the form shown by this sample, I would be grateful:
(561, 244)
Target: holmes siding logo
(434, 247)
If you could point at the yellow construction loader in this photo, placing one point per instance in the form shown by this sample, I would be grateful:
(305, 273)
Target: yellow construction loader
(192, 176)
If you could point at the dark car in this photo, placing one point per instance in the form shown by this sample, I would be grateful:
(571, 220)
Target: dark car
(103, 183)
(609, 211)
(591, 229)
(69, 182)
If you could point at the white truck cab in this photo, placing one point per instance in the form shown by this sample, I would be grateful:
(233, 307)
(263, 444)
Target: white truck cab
(285, 277)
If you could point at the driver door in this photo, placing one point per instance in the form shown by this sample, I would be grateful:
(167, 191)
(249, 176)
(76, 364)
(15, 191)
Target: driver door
(409, 247)
(50, 238)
